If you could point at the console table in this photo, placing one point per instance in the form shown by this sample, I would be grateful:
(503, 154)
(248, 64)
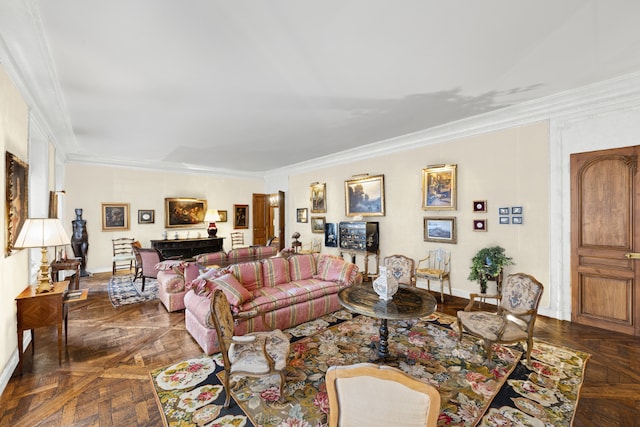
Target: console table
(67, 264)
(187, 248)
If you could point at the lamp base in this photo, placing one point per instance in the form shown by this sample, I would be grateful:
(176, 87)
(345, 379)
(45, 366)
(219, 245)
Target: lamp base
(44, 280)
(212, 229)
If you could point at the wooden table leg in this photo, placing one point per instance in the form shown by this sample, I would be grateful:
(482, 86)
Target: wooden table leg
(59, 343)
(20, 351)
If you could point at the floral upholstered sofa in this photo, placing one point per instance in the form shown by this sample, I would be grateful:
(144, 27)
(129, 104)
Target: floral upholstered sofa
(171, 273)
(274, 293)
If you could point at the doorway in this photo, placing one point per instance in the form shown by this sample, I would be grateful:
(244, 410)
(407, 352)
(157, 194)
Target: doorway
(268, 218)
(605, 241)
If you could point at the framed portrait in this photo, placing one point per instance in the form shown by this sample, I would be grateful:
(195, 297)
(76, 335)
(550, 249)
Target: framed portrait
(301, 215)
(222, 215)
(240, 216)
(16, 198)
(317, 224)
(330, 235)
(364, 196)
(146, 216)
(115, 216)
(184, 212)
(479, 225)
(440, 229)
(318, 198)
(479, 206)
(439, 191)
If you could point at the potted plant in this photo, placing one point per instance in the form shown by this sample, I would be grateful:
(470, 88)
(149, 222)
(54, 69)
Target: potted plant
(487, 265)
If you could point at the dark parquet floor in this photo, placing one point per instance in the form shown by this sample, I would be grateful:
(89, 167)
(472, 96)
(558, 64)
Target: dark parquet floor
(104, 376)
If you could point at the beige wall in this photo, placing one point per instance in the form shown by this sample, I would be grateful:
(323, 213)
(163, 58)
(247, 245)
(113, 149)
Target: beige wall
(509, 167)
(88, 186)
(14, 276)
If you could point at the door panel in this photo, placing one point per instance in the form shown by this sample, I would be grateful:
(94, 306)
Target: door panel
(260, 218)
(604, 203)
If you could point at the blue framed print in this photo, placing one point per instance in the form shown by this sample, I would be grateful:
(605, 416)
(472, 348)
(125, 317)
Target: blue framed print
(516, 220)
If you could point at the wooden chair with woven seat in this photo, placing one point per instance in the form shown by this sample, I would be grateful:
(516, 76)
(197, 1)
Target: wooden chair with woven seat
(123, 256)
(255, 354)
(237, 240)
(514, 319)
(366, 394)
(436, 266)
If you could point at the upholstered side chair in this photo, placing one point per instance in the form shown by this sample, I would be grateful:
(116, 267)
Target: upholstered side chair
(514, 319)
(256, 354)
(146, 260)
(436, 266)
(402, 268)
(366, 394)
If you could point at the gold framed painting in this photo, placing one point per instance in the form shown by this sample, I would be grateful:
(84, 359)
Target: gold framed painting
(223, 215)
(240, 216)
(184, 212)
(16, 197)
(364, 196)
(440, 229)
(318, 197)
(439, 191)
(115, 216)
(317, 224)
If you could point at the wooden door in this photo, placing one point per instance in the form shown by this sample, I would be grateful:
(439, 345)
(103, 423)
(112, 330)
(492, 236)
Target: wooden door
(260, 218)
(605, 207)
(281, 221)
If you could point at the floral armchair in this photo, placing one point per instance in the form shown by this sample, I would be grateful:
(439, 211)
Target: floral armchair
(514, 320)
(401, 268)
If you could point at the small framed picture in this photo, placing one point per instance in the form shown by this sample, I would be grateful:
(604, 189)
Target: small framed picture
(440, 229)
(223, 216)
(516, 210)
(317, 224)
(240, 216)
(503, 211)
(516, 220)
(479, 225)
(146, 216)
(115, 216)
(301, 215)
(479, 205)
(504, 220)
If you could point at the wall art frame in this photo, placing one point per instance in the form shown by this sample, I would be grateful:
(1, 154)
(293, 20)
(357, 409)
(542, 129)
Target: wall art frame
(364, 196)
(184, 212)
(318, 197)
(504, 220)
(240, 216)
(115, 216)
(479, 225)
(16, 198)
(439, 187)
(440, 229)
(330, 235)
(223, 215)
(479, 206)
(302, 215)
(317, 224)
(146, 216)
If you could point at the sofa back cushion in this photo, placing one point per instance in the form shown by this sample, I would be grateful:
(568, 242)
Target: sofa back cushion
(239, 254)
(211, 257)
(249, 274)
(275, 271)
(334, 269)
(265, 251)
(302, 267)
(234, 291)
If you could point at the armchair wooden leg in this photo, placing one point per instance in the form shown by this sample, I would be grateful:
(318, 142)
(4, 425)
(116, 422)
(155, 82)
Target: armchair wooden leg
(227, 389)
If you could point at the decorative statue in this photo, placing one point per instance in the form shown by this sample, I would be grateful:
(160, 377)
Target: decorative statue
(80, 241)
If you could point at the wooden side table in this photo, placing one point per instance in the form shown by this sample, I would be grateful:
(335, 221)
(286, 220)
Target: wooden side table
(37, 310)
(67, 264)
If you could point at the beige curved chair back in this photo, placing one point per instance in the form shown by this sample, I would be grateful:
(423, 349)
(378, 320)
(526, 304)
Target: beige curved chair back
(366, 394)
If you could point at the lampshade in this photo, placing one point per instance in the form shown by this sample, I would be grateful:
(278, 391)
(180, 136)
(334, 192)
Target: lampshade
(212, 216)
(42, 232)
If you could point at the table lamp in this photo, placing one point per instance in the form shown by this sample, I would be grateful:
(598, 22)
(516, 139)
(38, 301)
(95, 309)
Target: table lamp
(42, 233)
(211, 217)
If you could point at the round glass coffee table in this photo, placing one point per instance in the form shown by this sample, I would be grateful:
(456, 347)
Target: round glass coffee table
(408, 303)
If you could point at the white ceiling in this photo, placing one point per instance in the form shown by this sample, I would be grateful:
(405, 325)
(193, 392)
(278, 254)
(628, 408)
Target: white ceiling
(253, 86)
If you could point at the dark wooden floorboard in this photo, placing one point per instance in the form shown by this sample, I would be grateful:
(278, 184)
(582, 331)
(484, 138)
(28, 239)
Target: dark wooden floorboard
(104, 376)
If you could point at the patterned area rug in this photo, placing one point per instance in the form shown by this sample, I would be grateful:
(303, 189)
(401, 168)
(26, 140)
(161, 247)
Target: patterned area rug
(123, 290)
(190, 392)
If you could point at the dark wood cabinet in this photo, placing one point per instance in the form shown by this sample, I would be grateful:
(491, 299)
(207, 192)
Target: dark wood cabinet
(187, 248)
